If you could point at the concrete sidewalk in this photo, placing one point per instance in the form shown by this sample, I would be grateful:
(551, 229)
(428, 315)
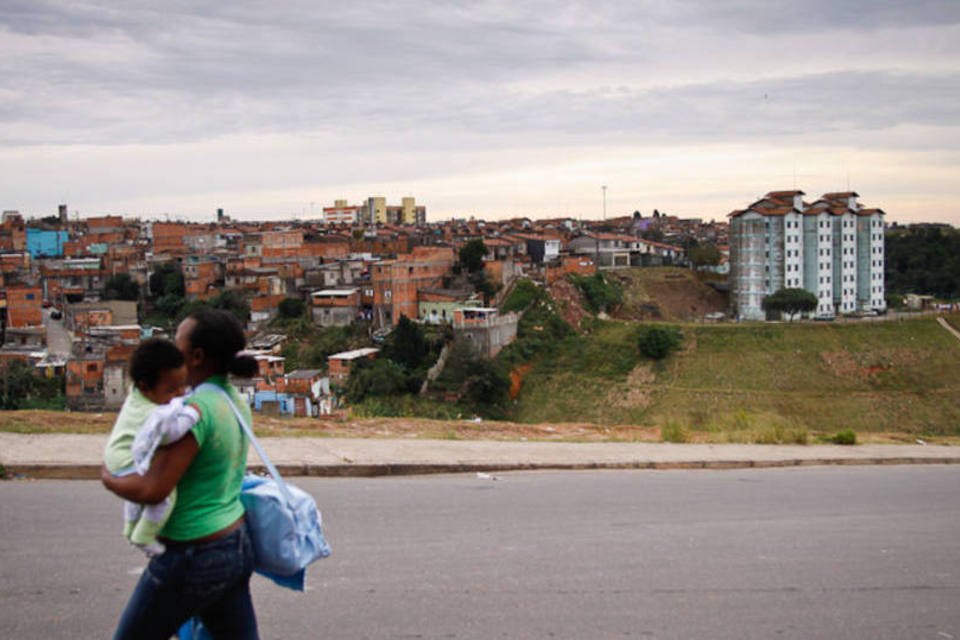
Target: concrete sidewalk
(72, 456)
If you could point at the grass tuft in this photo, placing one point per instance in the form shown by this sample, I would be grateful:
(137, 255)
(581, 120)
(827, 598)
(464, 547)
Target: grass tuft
(674, 432)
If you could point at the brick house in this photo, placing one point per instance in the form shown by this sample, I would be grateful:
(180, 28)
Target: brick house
(168, 237)
(340, 364)
(335, 307)
(24, 306)
(396, 282)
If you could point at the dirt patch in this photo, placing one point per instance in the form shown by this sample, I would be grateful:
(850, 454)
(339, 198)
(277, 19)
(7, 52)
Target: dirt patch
(567, 297)
(349, 427)
(869, 365)
(636, 392)
(666, 294)
(516, 379)
(841, 363)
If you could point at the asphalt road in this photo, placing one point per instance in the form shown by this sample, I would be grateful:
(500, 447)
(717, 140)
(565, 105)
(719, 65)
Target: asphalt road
(843, 552)
(58, 338)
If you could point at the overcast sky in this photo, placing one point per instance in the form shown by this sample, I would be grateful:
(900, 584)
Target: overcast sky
(493, 109)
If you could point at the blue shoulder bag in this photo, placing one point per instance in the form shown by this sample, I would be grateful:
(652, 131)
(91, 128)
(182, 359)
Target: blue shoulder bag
(284, 522)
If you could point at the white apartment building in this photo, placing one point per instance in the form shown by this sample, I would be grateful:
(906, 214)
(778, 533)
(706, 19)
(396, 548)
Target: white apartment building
(833, 248)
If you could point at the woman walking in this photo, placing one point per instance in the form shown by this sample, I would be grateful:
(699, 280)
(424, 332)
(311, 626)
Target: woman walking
(205, 570)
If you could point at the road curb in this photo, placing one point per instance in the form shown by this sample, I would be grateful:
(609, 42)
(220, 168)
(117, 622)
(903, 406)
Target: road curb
(92, 472)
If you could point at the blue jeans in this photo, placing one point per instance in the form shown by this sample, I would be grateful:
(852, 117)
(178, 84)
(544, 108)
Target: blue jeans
(210, 580)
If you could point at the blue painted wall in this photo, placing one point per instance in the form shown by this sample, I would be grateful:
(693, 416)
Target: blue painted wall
(42, 243)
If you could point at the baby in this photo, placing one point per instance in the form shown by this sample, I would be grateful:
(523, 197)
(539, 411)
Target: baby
(152, 415)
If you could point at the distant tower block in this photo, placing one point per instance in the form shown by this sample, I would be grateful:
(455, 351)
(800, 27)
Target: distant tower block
(62, 211)
(219, 216)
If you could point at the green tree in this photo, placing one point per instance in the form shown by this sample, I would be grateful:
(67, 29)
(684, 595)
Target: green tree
(790, 302)
(120, 287)
(406, 345)
(169, 305)
(17, 384)
(229, 300)
(659, 341)
(234, 302)
(704, 255)
(482, 284)
(22, 388)
(487, 388)
(923, 259)
(471, 255)
(166, 279)
(381, 377)
(291, 308)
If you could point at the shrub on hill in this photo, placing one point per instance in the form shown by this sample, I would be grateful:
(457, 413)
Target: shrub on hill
(659, 341)
(377, 378)
(524, 293)
(599, 292)
(540, 326)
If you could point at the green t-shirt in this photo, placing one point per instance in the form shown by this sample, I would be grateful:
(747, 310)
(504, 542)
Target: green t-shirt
(208, 494)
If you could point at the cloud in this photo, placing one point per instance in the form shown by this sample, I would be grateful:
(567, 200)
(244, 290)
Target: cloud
(419, 92)
(145, 73)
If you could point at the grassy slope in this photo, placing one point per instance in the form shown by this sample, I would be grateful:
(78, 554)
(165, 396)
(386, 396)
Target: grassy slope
(886, 376)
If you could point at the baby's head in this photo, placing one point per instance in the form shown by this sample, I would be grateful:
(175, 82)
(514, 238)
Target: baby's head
(158, 370)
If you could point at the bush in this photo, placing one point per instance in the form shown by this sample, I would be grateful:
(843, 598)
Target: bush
(845, 437)
(673, 432)
(540, 326)
(486, 389)
(22, 388)
(524, 293)
(599, 294)
(381, 377)
(658, 342)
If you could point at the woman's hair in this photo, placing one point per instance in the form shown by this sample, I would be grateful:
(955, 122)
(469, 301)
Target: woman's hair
(152, 357)
(220, 335)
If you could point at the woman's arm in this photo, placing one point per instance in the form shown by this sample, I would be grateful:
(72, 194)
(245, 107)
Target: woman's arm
(167, 467)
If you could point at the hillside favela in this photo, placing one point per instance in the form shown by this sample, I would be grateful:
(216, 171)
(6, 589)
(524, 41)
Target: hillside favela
(493, 320)
(774, 323)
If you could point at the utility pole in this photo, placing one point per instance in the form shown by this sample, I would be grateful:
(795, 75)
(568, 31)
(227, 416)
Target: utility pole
(604, 187)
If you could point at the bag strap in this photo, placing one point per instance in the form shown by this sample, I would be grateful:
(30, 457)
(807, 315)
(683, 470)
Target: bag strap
(253, 439)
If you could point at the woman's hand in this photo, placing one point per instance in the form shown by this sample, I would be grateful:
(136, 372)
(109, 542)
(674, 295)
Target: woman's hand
(167, 467)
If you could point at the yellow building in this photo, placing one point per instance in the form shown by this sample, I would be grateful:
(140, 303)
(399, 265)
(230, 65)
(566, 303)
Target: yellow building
(377, 209)
(409, 206)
